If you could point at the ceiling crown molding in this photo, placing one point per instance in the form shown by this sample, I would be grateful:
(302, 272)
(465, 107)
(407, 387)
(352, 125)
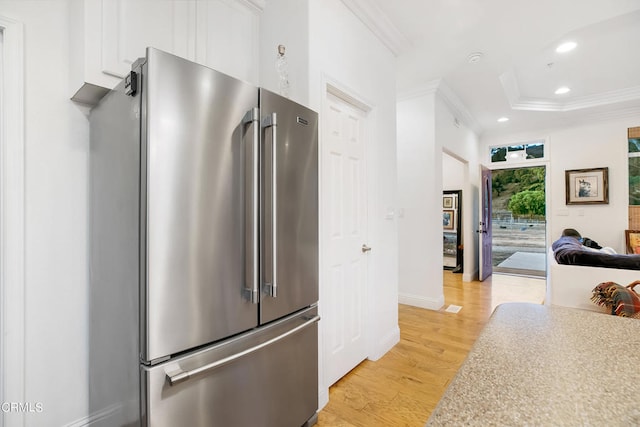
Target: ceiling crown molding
(440, 88)
(255, 5)
(457, 107)
(614, 114)
(511, 89)
(379, 24)
(562, 122)
(510, 86)
(423, 89)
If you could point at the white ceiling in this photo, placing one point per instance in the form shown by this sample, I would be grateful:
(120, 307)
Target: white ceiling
(519, 70)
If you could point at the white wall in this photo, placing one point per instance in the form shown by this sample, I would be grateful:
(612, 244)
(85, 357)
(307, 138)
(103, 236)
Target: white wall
(427, 127)
(592, 145)
(286, 22)
(344, 52)
(453, 173)
(56, 153)
(420, 192)
(458, 140)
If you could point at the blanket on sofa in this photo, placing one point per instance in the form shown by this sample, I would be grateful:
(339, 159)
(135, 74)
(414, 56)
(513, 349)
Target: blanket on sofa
(621, 300)
(568, 250)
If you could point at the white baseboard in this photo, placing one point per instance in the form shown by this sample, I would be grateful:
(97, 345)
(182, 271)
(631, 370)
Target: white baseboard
(97, 417)
(421, 301)
(470, 277)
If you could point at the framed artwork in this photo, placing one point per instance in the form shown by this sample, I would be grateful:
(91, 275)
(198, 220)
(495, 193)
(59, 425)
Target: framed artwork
(587, 186)
(447, 202)
(449, 219)
(449, 244)
(632, 238)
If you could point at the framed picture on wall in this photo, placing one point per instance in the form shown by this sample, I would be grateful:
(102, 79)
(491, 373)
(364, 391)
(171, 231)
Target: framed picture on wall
(587, 186)
(447, 202)
(449, 243)
(449, 219)
(632, 238)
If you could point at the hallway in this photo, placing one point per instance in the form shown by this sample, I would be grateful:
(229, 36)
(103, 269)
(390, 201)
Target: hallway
(404, 386)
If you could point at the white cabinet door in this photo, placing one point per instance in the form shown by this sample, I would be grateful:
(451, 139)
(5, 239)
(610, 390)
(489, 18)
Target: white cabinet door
(107, 36)
(227, 37)
(128, 27)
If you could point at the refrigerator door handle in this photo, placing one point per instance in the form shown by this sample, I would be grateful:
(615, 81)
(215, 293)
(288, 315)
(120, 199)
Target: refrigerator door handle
(178, 376)
(251, 237)
(271, 288)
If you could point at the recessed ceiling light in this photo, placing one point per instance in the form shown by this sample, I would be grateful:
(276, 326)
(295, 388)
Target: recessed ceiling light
(503, 119)
(562, 90)
(566, 47)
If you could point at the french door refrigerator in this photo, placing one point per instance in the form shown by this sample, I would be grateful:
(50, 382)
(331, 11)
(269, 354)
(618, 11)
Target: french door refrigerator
(203, 252)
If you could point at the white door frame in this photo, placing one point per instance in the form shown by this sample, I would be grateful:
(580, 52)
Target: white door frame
(335, 88)
(12, 219)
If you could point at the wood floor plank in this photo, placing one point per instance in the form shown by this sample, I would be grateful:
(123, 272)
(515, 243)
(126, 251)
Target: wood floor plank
(404, 386)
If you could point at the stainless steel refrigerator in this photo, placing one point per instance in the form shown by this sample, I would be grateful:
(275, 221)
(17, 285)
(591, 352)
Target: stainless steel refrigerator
(203, 252)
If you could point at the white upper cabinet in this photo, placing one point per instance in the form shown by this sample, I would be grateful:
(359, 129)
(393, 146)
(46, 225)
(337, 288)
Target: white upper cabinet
(128, 27)
(109, 35)
(227, 36)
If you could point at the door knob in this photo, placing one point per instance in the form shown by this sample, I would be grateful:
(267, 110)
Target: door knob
(365, 248)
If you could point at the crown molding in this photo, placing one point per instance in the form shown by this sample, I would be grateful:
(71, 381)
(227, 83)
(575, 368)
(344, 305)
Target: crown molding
(440, 89)
(424, 89)
(511, 89)
(559, 122)
(379, 24)
(612, 114)
(256, 5)
(457, 107)
(510, 86)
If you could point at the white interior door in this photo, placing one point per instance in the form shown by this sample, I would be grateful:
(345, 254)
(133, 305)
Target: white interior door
(345, 233)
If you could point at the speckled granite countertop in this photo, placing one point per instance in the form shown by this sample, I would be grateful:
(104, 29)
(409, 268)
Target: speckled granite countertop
(547, 366)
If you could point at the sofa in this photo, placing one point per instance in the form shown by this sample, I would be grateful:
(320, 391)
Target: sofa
(572, 285)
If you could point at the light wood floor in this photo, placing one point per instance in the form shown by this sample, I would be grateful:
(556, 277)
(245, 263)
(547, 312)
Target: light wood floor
(404, 386)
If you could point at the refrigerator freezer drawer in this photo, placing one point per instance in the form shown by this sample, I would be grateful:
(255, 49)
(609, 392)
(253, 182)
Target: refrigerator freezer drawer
(268, 377)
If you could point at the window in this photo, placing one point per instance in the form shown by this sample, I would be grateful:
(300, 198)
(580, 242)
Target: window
(518, 153)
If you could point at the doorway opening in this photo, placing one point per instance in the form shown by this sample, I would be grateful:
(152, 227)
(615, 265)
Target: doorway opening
(452, 230)
(518, 221)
